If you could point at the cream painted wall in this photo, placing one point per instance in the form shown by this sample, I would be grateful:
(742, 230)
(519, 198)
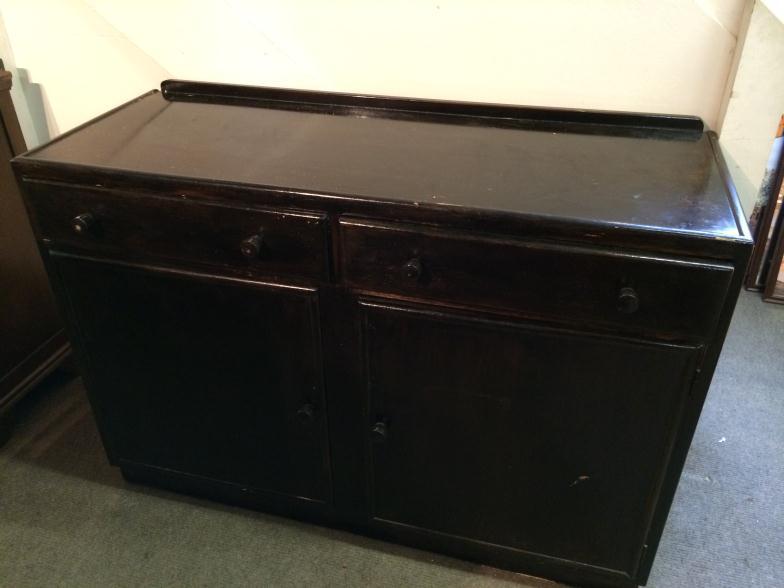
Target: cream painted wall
(661, 56)
(776, 8)
(756, 103)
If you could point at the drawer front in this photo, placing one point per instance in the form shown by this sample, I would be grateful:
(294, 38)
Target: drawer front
(637, 293)
(268, 242)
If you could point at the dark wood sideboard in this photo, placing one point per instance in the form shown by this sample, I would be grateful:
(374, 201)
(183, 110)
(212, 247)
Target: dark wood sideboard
(479, 329)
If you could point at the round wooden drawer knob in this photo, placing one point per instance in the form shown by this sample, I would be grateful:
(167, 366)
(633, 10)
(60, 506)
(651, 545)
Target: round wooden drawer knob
(379, 432)
(251, 247)
(306, 414)
(82, 223)
(628, 301)
(413, 269)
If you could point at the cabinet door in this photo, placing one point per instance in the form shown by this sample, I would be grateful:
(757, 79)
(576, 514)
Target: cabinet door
(215, 377)
(546, 441)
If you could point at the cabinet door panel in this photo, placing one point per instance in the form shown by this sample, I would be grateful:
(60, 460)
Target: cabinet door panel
(541, 440)
(204, 375)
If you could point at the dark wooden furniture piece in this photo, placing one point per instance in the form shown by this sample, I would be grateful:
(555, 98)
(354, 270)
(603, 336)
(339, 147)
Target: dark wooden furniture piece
(479, 329)
(32, 339)
(774, 287)
(766, 227)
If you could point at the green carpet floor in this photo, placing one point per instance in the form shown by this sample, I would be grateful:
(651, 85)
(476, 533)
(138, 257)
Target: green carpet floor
(68, 519)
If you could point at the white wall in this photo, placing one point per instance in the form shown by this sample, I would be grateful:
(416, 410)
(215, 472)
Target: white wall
(756, 102)
(776, 7)
(90, 55)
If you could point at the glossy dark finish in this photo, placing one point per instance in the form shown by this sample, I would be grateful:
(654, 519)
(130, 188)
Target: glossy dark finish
(552, 281)
(500, 392)
(293, 242)
(218, 394)
(413, 269)
(628, 300)
(496, 114)
(32, 340)
(251, 247)
(480, 329)
(379, 431)
(83, 223)
(669, 183)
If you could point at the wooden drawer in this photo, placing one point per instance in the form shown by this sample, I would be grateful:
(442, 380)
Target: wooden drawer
(635, 292)
(127, 224)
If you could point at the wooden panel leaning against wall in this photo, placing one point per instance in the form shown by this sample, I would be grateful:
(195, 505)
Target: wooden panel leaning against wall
(766, 267)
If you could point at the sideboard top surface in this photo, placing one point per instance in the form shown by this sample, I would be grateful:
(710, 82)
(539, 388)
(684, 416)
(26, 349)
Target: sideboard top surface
(642, 171)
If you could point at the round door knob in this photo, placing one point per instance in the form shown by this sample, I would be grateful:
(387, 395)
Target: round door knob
(379, 432)
(413, 268)
(306, 413)
(251, 247)
(83, 223)
(628, 301)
